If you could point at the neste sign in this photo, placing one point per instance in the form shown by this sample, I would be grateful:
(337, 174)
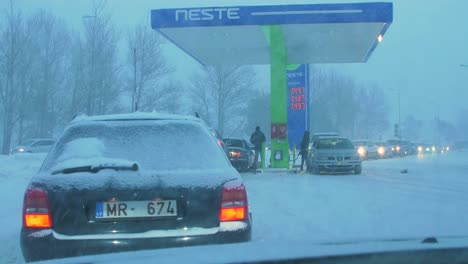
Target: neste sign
(207, 14)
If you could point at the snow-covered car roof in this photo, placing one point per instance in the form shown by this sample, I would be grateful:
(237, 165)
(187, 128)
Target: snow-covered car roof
(37, 139)
(332, 137)
(326, 134)
(134, 116)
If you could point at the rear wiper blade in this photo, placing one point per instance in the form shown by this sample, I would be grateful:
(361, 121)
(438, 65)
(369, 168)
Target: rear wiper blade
(95, 169)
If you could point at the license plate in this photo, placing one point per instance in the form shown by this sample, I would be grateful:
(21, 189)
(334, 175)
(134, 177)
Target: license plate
(162, 208)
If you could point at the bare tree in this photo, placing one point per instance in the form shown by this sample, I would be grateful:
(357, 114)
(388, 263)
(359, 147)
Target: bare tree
(12, 48)
(76, 79)
(373, 112)
(201, 97)
(102, 70)
(146, 62)
(339, 103)
(333, 103)
(51, 41)
(258, 113)
(412, 127)
(228, 90)
(164, 97)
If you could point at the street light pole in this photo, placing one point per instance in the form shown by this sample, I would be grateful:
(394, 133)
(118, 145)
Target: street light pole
(92, 82)
(398, 90)
(135, 99)
(399, 114)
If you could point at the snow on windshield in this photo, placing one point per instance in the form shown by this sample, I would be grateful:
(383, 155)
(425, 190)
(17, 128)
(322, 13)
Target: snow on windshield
(87, 152)
(153, 145)
(82, 148)
(334, 143)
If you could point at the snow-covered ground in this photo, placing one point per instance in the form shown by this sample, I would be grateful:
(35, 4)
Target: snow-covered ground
(15, 172)
(382, 203)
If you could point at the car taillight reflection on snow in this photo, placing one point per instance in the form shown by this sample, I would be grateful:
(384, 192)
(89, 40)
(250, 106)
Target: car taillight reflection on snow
(36, 211)
(234, 204)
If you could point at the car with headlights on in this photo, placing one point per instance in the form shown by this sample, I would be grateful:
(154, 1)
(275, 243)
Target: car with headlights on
(241, 153)
(131, 182)
(432, 148)
(34, 146)
(425, 148)
(333, 154)
(366, 149)
(396, 147)
(408, 148)
(384, 150)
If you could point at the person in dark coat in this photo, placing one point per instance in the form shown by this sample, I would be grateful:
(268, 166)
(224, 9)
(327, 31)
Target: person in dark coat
(304, 148)
(257, 139)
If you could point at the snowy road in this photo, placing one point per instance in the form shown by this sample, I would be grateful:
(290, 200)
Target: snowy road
(430, 200)
(381, 203)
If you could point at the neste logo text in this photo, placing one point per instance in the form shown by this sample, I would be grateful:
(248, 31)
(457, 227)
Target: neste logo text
(198, 14)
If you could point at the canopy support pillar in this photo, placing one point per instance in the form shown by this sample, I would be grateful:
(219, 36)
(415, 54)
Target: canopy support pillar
(278, 99)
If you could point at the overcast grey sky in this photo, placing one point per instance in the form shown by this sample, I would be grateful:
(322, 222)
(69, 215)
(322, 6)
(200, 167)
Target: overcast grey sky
(421, 52)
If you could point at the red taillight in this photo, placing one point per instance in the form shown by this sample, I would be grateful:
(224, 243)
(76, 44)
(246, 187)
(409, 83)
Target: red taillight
(220, 143)
(36, 211)
(235, 154)
(234, 204)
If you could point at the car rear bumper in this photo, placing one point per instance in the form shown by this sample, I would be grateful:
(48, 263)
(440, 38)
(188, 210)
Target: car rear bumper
(239, 163)
(45, 244)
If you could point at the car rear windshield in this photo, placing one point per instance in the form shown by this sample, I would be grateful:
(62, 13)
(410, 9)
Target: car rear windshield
(154, 145)
(234, 143)
(28, 142)
(44, 143)
(334, 143)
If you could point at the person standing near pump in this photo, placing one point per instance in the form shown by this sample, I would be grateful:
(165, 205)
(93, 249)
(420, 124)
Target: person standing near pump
(257, 139)
(304, 148)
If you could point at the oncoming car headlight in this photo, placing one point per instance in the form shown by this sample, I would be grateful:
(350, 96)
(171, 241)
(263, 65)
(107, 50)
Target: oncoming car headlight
(420, 149)
(381, 151)
(361, 151)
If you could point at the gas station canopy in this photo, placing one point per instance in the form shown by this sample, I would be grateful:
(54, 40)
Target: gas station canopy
(314, 33)
(278, 35)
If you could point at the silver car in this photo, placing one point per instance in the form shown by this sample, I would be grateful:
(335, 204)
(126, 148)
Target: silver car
(34, 146)
(333, 154)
